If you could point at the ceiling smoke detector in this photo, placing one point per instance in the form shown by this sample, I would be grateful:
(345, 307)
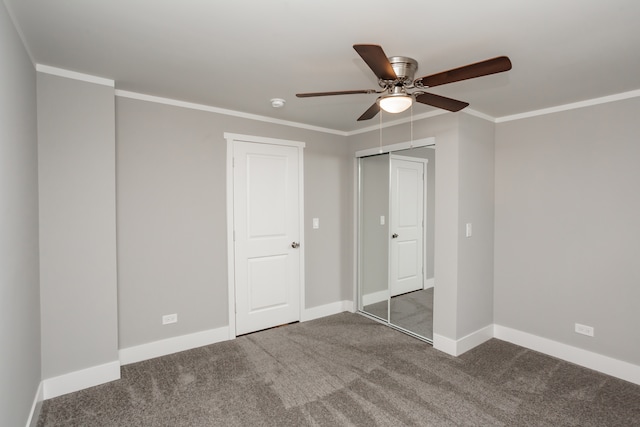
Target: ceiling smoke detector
(277, 102)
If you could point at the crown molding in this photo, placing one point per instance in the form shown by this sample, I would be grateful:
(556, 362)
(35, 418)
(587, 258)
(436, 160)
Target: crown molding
(60, 72)
(168, 101)
(571, 106)
(208, 108)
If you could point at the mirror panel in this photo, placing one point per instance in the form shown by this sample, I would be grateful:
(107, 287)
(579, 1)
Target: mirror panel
(410, 310)
(374, 232)
(413, 311)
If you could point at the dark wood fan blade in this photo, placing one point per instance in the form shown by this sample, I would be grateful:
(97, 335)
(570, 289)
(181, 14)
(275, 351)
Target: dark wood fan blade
(370, 113)
(479, 69)
(340, 92)
(376, 59)
(441, 102)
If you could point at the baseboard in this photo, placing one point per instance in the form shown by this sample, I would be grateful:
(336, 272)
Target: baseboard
(85, 378)
(429, 283)
(597, 362)
(78, 380)
(34, 414)
(474, 339)
(198, 339)
(444, 344)
(464, 344)
(326, 310)
(375, 297)
(172, 345)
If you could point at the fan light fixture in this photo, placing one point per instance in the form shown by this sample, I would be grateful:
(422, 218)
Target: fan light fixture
(396, 75)
(395, 102)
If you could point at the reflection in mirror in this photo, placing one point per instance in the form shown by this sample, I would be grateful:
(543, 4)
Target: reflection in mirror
(392, 202)
(374, 232)
(412, 212)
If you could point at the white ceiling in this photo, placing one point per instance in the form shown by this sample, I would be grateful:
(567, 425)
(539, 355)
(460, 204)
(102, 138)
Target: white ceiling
(239, 54)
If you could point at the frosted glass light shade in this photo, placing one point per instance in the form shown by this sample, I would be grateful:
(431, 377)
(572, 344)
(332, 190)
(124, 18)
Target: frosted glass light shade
(395, 103)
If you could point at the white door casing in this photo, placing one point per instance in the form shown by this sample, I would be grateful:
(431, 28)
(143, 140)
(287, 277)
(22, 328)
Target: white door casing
(266, 251)
(406, 215)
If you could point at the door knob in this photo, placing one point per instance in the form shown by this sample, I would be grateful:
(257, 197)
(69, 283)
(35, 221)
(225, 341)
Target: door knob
(295, 245)
(394, 235)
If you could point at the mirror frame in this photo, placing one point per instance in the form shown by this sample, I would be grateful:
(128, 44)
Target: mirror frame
(358, 228)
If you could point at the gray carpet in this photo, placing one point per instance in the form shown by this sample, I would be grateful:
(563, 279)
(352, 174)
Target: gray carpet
(412, 311)
(349, 370)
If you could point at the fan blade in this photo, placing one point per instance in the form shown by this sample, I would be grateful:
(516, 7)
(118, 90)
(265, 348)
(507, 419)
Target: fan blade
(479, 69)
(376, 59)
(370, 113)
(441, 102)
(340, 92)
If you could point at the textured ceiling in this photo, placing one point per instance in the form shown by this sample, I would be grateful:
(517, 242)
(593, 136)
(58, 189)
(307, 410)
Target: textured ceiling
(239, 54)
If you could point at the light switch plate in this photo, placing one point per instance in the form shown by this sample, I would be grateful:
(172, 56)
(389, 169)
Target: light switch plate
(316, 223)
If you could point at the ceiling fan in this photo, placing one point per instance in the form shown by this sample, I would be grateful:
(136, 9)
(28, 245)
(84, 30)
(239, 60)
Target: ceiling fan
(395, 77)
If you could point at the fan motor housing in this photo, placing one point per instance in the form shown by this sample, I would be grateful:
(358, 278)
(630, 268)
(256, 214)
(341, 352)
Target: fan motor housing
(404, 67)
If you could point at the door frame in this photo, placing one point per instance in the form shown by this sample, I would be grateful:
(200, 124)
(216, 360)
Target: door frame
(231, 279)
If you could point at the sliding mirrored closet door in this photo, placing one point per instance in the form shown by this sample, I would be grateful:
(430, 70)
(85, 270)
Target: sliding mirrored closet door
(395, 238)
(374, 235)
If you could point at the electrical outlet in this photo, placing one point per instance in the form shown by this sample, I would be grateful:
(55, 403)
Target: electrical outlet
(584, 330)
(169, 318)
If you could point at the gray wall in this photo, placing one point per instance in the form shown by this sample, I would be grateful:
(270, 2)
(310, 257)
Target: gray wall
(567, 230)
(172, 249)
(476, 204)
(19, 288)
(76, 156)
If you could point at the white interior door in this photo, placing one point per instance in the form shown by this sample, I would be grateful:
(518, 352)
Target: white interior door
(406, 225)
(267, 235)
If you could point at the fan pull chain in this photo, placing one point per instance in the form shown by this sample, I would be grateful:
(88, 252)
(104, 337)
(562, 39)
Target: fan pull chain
(411, 143)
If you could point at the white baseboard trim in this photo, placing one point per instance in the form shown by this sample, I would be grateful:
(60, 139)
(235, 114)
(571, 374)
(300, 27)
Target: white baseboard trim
(198, 339)
(34, 414)
(172, 345)
(474, 339)
(464, 344)
(325, 310)
(429, 283)
(597, 362)
(444, 344)
(78, 380)
(349, 306)
(375, 297)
